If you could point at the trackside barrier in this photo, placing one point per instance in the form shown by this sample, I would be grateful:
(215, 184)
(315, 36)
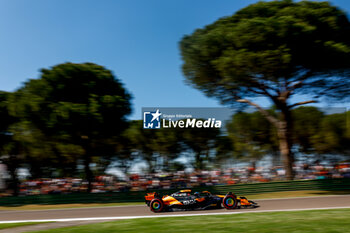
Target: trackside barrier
(138, 196)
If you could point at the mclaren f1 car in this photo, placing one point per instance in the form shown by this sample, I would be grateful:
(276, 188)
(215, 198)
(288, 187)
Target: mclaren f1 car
(185, 200)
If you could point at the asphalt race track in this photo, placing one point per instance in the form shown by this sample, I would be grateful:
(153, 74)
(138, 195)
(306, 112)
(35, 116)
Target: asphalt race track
(140, 211)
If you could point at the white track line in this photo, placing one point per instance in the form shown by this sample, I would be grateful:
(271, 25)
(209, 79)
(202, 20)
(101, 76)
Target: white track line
(164, 216)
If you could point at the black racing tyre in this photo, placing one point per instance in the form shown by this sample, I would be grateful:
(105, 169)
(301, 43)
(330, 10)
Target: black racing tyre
(156, 205)
(229, 202)
(254, 204)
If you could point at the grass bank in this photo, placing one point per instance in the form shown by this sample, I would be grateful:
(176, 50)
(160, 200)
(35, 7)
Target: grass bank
(320, 221)
(13, 225)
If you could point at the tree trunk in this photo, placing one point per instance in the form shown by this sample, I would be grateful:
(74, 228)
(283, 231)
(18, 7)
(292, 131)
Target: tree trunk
(150, 162)
(165, 162)
(14, 178)
(15, 183)
(86, 144)
(198, 162)
(284, 128)
(276, 158)
(285, 143)
(88, 172)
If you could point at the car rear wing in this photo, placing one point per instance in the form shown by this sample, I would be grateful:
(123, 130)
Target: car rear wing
(150, 196)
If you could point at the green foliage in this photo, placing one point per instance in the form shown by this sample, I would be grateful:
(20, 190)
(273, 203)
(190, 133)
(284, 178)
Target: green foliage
(76, 99)
(160, 148)
(307, 128)
(6, 119)
(272, 49)
(252, 135)
(316, 133)
(10, 149)
(202, 143)
(267, 46)
(153, 145)
(224, 149)
(333, 138)
(72, 112)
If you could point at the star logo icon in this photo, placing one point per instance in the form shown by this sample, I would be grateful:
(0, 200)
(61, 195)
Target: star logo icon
(156, 115)
(151, 119)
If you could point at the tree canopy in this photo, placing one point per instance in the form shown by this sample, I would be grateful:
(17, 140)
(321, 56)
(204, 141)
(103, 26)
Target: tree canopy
(272, 49)
(80, 109)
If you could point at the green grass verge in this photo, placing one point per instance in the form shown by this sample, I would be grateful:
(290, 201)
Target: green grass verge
(12, 225)
(297, 221)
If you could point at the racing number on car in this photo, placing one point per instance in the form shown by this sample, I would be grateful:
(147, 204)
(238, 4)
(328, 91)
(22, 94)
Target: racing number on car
(189, 202)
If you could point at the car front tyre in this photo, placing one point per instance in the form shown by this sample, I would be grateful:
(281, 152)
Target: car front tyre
(229, 202)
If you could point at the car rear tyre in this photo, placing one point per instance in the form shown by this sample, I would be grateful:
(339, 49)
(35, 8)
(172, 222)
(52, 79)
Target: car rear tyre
(229, 202)
(156, 205)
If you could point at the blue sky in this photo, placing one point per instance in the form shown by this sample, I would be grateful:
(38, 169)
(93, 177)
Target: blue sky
(136, 39)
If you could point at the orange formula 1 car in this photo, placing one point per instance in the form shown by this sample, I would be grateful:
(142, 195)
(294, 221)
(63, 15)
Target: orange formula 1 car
(185, 200)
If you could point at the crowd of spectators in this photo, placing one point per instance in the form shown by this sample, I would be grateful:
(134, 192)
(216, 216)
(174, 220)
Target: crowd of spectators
(181, 179)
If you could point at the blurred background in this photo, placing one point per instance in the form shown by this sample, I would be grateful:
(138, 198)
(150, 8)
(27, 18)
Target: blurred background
(76, 75)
